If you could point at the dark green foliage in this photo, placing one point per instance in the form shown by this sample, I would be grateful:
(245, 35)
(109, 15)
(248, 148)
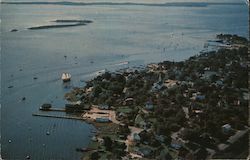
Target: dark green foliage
(108, 143)
(94, 156)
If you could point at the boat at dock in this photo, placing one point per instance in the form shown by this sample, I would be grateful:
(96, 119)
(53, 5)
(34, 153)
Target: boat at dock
(45, 107)
(84, 149)
(66, 77)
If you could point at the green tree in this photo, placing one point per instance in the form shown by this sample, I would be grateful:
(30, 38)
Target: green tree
(94, 156)
(108, 143)
(97, 91)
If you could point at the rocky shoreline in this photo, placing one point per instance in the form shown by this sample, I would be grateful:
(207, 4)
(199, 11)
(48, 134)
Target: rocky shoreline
(188, 109)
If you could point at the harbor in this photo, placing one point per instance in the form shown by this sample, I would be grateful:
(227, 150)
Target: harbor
(121, 37)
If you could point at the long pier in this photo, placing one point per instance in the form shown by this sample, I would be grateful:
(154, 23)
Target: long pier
(58, 116)
(54, 109)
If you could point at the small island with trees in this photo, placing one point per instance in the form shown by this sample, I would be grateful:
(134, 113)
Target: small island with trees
(193, 109)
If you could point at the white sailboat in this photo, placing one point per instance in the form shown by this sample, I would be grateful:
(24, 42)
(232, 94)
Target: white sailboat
(66, 77)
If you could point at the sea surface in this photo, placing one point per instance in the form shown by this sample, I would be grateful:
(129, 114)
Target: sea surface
(122, 35)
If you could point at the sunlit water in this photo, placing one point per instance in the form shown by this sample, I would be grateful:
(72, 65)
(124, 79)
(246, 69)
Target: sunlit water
(136, 34)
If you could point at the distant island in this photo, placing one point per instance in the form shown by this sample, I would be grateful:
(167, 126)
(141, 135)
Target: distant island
(193, 109)
(67, 23)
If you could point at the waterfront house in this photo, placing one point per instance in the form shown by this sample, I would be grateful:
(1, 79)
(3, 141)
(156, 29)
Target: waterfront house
(102, 120)
(76, 107)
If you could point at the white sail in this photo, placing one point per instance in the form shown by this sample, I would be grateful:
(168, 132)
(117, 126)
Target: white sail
(66, 77)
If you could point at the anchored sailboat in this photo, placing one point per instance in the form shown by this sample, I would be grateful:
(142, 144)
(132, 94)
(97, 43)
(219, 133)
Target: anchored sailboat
(66, 77)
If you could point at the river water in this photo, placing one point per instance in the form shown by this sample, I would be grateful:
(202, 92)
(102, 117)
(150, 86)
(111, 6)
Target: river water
(121, 35)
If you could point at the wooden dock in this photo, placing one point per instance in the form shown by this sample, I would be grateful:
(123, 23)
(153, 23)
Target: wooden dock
(58, 116)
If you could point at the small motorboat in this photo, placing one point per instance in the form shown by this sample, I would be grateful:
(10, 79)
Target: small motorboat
(66, 77)
(84, 149)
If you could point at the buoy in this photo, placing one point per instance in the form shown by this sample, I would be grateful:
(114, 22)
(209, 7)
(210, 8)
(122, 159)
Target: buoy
(47, 133)
(9, 141)
(27, 157)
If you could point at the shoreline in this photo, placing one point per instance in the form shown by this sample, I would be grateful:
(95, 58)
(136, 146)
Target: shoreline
(134, 103)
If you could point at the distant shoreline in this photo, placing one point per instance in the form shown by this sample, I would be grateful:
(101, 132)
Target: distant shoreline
(168, 4)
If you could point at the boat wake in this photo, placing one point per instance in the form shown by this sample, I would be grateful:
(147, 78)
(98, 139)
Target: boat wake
(121, 63)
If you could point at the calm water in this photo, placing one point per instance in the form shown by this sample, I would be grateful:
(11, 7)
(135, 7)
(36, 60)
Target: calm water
(138, 34)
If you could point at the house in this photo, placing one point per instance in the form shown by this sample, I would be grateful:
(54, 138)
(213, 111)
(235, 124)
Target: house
(135, 137)
(226, 128)
(139, 121)
(170, 83)
(219, 83)
(128, 102)
(153, 66)
(149, 106)
(157, 85)
(103, 106)
(176, 141)
(160, 138)
(200, 97)
(122, 115)
(76, 107)
(208, 74)
(102, 120)
(145, 151)
(197, 96)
